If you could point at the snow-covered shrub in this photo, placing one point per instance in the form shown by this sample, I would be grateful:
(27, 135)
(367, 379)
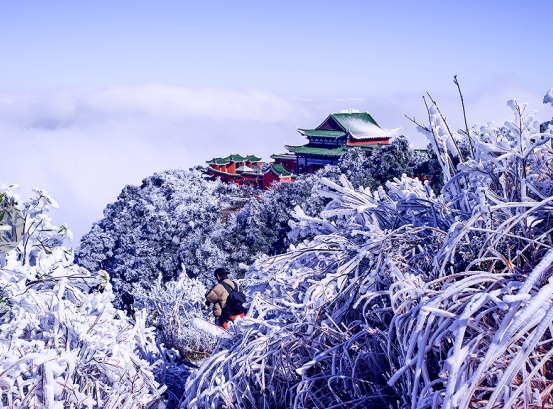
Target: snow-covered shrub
(174, 218)
(391, 161)
(306, 322)
(547, 99)
(170, 307)
(62, 343)
(263, 224)
(405, 298)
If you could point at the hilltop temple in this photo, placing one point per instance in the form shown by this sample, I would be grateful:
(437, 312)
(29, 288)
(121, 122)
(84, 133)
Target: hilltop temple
(335, 135)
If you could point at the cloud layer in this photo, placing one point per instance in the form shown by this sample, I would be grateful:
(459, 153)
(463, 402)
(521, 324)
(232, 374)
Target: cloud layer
(85, 145)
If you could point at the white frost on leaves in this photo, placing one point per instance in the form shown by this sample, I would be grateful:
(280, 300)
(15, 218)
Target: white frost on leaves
(62, 343)
(171, 307)
(174, 217)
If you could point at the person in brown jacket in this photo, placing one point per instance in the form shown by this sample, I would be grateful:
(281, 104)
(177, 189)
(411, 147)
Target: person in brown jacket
(218, 297)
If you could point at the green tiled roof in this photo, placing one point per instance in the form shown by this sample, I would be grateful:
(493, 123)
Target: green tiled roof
(316, 151)
(331, 152)
(322, 132)
(284, 156)
(220, 172)
(233, 158)
(218, 161)
(346, 119)
(360, 125)
(236, 158)
(252, 174)
(281, 170)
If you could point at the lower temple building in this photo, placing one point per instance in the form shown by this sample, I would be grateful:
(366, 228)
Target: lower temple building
(248, 171)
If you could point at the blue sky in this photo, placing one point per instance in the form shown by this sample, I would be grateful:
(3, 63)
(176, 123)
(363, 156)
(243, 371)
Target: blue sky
(96, 95)
(303, 48)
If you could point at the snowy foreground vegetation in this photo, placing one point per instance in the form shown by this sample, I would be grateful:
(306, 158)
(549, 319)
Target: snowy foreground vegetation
(385, 297)
(62, 343)
(404, 298)
(161, 241)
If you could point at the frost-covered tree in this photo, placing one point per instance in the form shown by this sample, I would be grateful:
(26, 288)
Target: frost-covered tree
(393, 160)
(263, 224)
(169, 308)
(548, 125)
(390, 162)
(174, 219)
(62, 343)
(427, 167)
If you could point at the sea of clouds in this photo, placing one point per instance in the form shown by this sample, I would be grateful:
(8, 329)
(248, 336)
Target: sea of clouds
(84, 145)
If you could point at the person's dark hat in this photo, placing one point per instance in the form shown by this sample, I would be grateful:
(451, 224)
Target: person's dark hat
(220, 272)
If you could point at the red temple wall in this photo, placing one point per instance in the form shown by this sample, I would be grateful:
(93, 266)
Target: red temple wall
(270, 177)
(289, 164)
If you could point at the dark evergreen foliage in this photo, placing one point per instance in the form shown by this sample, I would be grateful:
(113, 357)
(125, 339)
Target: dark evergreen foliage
(173, 220)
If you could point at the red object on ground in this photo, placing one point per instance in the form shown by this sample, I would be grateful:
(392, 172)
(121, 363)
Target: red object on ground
(225, 326)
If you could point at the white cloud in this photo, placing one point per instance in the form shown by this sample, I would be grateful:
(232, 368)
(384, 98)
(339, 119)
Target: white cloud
(85, 145)
(66, 106)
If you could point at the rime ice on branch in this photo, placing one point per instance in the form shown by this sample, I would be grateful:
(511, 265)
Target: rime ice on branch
(62, 343)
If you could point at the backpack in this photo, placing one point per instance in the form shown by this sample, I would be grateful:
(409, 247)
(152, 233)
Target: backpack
(235, 300)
